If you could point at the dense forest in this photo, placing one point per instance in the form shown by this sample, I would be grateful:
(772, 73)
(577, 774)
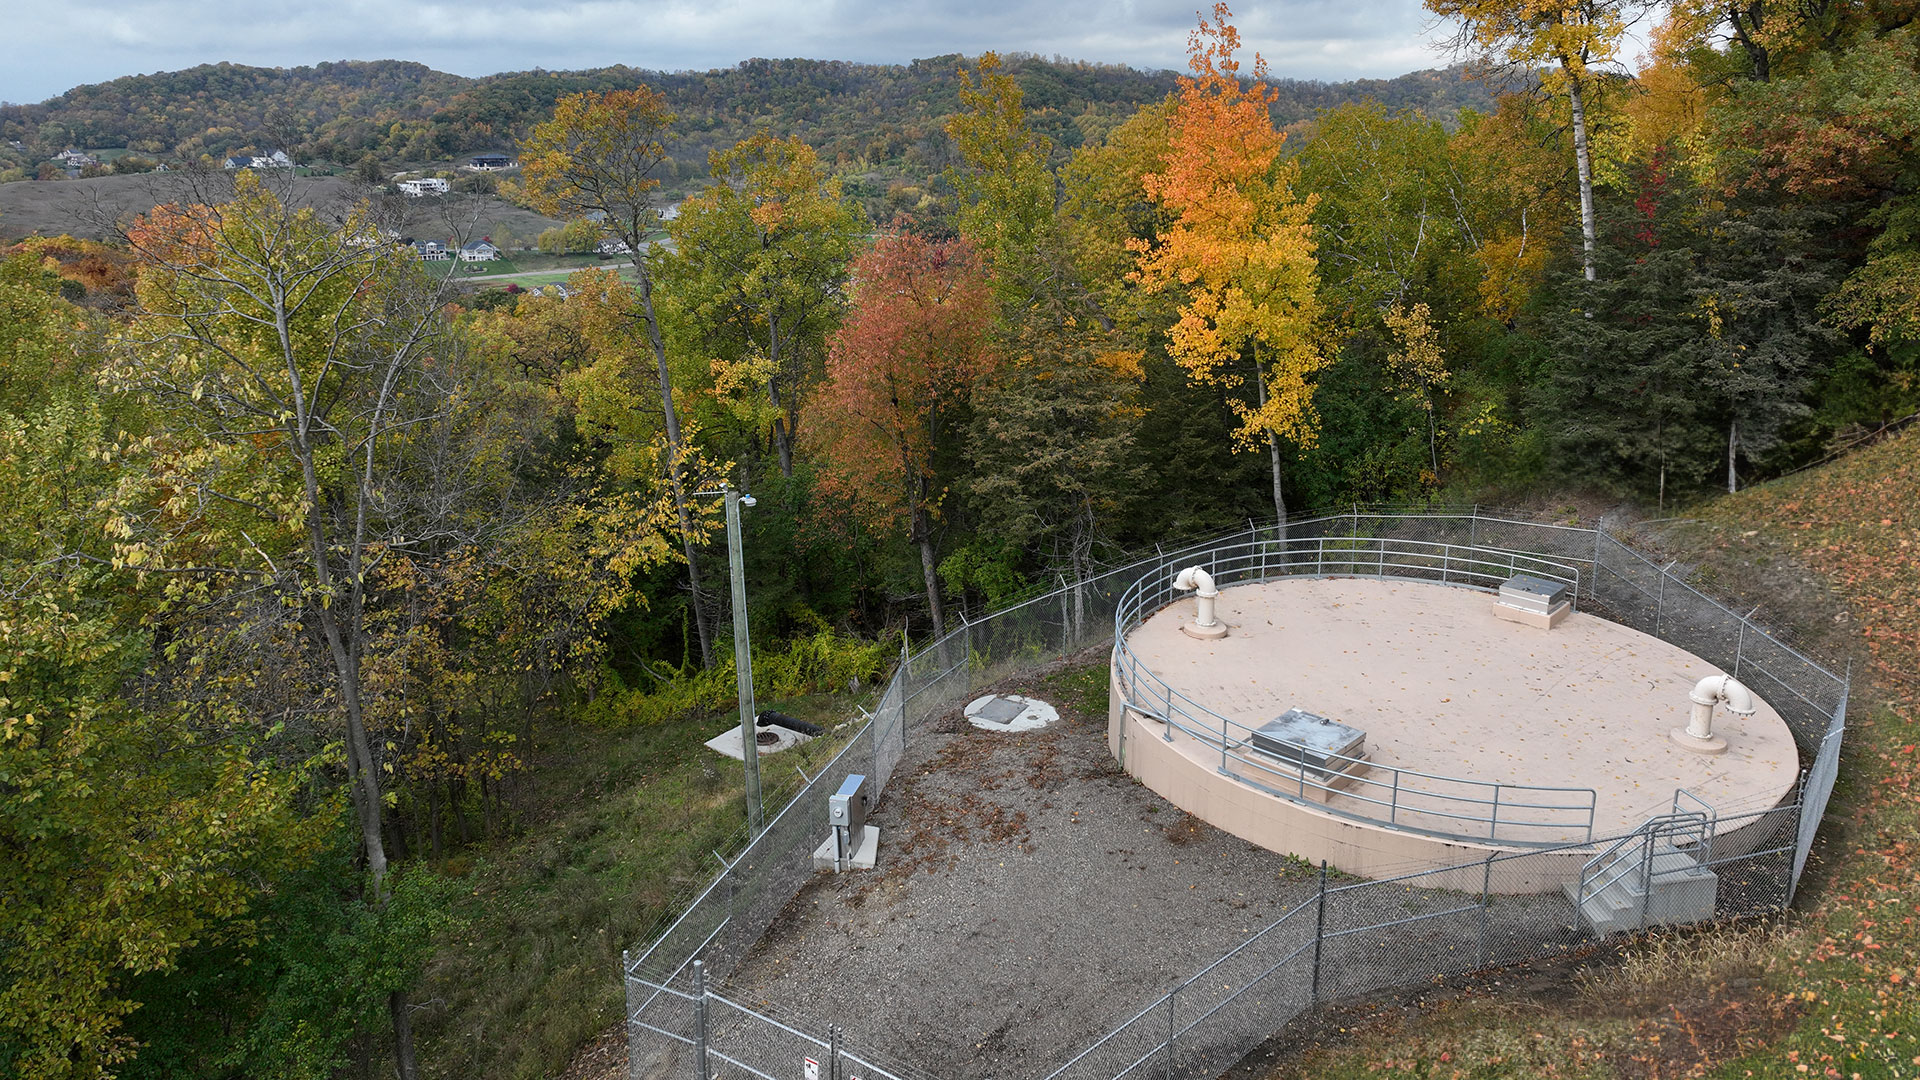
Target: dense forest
(311, 559)
(857, 116)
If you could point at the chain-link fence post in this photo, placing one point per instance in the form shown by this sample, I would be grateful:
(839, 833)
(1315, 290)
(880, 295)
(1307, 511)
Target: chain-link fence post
(1486, 890)
(1660, 602)
(633, 1030)
(1319, 932)
(1171, 1027)
(700, 1021)
(833, 1052)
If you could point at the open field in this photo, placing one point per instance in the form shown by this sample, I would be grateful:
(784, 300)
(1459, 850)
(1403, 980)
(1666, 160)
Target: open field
(88, 208)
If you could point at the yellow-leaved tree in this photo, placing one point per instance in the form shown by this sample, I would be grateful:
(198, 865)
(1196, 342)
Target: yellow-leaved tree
(1574, 37)
(1239, 249)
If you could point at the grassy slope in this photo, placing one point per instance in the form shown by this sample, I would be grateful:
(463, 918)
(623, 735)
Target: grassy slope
(1826, 991)
(627, 835)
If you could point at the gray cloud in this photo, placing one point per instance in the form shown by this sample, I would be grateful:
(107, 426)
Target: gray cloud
(55, 46)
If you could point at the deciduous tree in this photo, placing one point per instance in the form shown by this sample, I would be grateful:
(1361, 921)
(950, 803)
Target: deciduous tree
(603, 154)
(900, 380)
(284, 359)
(759, 265)
(1239, 250)
(1575, 37)
(130, 828)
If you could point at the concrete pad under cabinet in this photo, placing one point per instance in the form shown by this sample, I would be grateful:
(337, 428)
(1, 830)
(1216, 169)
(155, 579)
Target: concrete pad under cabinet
(866, 851)
(1541, 620)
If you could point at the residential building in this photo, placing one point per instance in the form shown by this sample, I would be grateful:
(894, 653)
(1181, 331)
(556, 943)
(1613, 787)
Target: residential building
(276, 160)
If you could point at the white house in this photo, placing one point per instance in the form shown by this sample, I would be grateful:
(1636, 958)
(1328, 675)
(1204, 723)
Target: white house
(431, 185)
(478, 251)
(276, 160)
(431, 250)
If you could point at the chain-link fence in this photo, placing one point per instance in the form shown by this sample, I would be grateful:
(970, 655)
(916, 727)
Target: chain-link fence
(1360, 937)
(1351, 937)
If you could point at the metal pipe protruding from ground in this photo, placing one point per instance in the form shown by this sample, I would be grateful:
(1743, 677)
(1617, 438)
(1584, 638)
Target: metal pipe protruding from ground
(1197, 579)
(1713, 690)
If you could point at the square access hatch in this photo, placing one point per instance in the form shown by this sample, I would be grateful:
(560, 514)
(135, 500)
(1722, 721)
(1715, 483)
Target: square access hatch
(1310, 742)
(1000, 710)
(1529, 593)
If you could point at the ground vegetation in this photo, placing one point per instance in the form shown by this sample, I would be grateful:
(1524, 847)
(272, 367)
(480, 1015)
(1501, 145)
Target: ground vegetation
(363, 627)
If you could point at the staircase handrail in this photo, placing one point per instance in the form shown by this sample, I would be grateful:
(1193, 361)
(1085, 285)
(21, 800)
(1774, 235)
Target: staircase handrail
(1611, 864)
(1704, 850)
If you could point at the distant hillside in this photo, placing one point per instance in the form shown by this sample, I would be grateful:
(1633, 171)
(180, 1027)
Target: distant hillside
(883, 117)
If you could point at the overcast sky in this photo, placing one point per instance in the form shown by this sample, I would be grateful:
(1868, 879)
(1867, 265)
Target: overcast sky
(57, 44)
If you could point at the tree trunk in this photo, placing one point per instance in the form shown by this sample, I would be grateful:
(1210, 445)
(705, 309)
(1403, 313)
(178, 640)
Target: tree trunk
(701, 620)
(782, 430)
(1433, 441)
(923, 529)
(1733, 442)
(1745, 24)
(1273, 453)
(1279, 496)
(403, 1058)
(366, 789)
(1583, 164)
(783, 443)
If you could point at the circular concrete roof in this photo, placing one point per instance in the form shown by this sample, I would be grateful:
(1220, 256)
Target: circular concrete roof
(1439, 684)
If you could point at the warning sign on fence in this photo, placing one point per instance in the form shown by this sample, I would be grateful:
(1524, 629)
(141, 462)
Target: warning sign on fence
(812, 1069)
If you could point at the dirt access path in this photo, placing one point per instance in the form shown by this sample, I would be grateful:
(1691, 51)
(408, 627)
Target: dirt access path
(1029, 896)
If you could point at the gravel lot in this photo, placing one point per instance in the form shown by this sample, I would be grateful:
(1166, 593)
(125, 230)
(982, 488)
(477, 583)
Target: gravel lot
(1029, 897)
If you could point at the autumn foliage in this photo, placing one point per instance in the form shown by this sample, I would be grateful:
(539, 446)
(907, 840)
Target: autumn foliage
(900, 377)
(899, 372)
(1240, 250)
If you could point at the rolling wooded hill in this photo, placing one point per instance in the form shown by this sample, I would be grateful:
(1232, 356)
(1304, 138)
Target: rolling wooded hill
(878, 116)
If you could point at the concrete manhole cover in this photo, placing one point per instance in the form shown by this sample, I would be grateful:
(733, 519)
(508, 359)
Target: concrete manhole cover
(1010, 712)
(770, 740)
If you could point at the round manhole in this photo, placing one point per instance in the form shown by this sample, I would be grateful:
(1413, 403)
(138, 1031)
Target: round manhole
(767, 738)
(1010, 712)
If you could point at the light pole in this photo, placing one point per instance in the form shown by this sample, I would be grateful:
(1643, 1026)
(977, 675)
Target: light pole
(743, 660)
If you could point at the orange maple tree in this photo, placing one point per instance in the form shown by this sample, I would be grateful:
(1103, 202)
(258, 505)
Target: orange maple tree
(900, 374)
(1240, 247)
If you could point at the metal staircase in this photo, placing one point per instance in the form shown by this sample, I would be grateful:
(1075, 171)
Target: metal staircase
(1655, 875)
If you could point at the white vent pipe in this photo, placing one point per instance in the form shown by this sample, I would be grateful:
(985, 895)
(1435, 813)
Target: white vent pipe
(1201, 582)
(1714, 690)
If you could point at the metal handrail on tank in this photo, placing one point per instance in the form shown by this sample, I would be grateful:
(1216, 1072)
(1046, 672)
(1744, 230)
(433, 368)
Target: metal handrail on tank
(1431, 804)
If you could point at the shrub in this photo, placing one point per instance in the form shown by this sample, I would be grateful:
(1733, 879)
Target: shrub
(822, 662)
